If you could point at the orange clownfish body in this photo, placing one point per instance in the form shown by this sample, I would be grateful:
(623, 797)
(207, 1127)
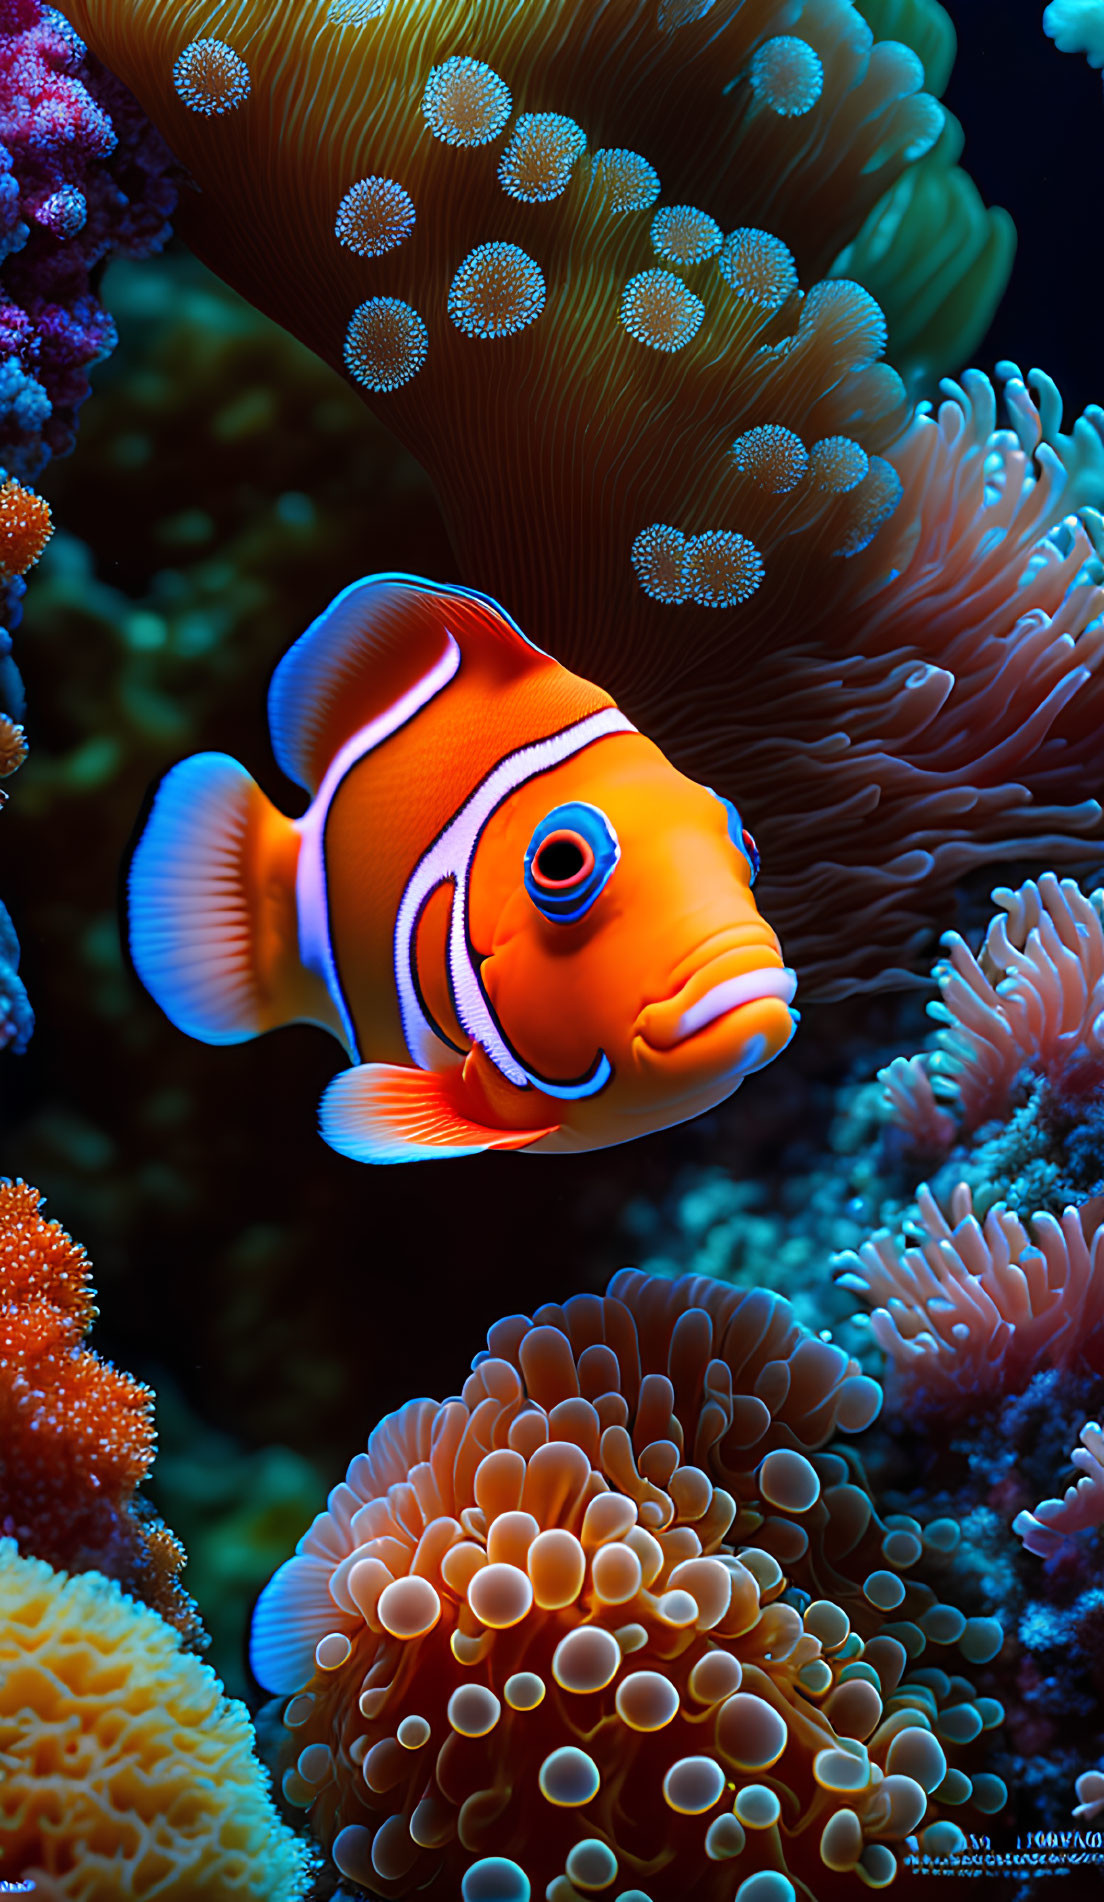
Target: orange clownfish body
(527, 929)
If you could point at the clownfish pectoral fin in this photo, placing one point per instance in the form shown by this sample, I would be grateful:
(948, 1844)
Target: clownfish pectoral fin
(381, 1112)
(383, 648)
(212, 909)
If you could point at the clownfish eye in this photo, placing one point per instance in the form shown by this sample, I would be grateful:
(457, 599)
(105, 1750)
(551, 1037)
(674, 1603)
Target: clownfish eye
(740, 836)
(562, 862)
(569, 861)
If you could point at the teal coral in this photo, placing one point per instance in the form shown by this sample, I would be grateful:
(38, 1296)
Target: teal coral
(1077, 26)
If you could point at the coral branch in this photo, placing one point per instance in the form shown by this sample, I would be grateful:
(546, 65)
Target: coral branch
(76, 1434)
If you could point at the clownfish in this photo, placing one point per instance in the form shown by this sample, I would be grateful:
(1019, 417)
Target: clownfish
(527, 928)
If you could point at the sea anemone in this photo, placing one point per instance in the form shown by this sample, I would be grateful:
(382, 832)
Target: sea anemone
(1077, 26)
(972, 1309)
(1045, 1529)
(76, 1433)
(127, 1771)
(1029, 1004)
(613, 1615)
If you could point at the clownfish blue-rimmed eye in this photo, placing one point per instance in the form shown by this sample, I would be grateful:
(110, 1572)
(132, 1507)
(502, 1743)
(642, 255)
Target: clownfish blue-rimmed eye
(569, 861)
(740, 836)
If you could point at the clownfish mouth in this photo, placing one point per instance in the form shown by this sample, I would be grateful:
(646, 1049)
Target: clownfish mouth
(729, 995)
(725, 991)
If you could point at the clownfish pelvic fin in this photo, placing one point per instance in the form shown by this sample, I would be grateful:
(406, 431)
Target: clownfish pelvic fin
(212, 908)
(383, 1112)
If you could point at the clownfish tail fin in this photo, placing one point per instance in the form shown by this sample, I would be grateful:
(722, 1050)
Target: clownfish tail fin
(211, 904)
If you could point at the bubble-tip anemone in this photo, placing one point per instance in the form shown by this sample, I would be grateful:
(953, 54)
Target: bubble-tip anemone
(613, 1616)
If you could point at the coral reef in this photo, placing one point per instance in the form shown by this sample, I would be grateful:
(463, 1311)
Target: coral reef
(84, 178)
(540, 1628)
(127, 1772)
(922, 689)
(76, 1434)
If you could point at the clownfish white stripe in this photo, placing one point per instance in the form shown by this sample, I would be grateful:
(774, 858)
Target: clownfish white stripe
(315, 938)
(449, 860)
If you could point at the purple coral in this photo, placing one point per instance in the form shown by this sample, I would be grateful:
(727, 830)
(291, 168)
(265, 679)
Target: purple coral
(82, 176)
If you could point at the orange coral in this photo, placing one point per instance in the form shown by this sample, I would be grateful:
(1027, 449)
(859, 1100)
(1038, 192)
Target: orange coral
(76, 1433)
(13, 747)
(614, 1619)
(25, 527)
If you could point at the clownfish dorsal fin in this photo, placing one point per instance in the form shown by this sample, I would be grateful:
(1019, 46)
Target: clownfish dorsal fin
(384, 647)
(382, 1112)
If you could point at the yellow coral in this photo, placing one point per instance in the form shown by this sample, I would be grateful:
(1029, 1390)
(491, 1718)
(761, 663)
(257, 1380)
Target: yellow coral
(124, 1769)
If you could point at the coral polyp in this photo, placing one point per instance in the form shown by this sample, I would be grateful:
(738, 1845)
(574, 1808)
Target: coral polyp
(211, 78)
(683, 235)
(538, 162)
(658, 310)
(625, 181)
(386, 343)
(759, 267)
(723, 568)
(614, 1615)
(465, 102)
(374, 216)
(497, 291)
(774, 458)
(787, 76)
